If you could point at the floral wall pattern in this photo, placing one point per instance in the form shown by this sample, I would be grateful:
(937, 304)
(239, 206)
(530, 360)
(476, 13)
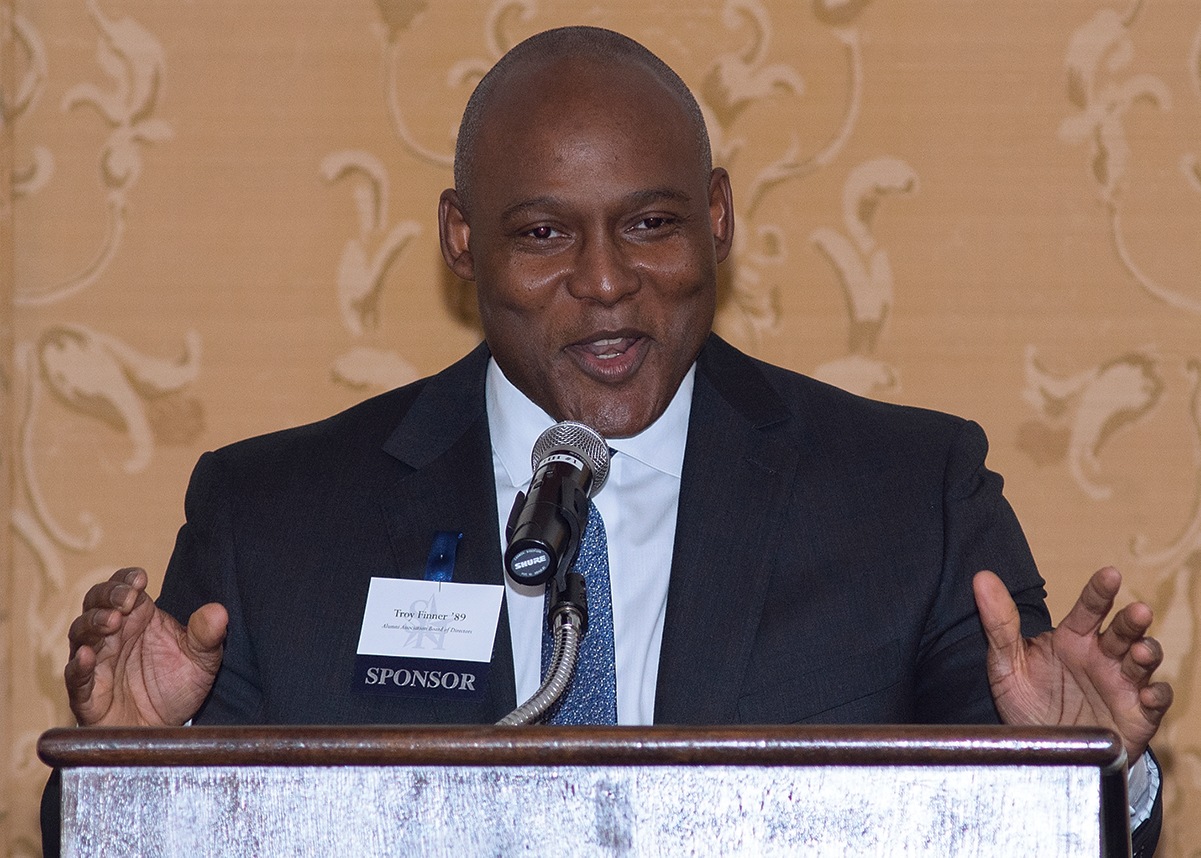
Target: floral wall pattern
(217, 218)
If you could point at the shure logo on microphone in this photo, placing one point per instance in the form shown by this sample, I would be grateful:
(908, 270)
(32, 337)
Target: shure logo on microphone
(522, 564)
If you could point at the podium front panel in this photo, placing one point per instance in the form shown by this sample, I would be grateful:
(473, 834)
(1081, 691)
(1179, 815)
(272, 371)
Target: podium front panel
(602, 793)
(556, 811)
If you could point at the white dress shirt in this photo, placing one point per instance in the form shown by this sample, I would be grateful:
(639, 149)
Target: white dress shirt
(638, 501)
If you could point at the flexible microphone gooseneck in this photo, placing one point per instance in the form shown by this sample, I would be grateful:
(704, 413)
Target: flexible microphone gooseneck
(571, 463)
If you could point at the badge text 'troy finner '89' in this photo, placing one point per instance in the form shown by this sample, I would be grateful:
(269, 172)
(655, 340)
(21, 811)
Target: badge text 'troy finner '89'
(427, 638)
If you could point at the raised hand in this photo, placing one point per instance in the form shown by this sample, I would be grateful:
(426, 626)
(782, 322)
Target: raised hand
(1077, 674)
(132, 664)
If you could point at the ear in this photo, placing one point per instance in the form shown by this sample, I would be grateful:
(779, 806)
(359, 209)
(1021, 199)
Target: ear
(453, 234)
(721, 212)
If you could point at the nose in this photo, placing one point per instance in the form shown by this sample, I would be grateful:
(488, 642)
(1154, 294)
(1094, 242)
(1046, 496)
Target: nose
(602, 272)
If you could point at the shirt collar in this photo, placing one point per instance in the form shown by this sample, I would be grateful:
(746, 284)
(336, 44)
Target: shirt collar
(515, 423)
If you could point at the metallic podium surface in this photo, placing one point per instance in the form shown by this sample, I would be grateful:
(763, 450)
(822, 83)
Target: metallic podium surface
(466, 791)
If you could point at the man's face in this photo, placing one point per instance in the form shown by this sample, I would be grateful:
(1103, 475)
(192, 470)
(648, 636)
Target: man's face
(593, 235)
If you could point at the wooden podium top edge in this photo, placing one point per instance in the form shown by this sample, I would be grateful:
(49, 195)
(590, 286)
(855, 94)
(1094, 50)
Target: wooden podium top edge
(540, 745)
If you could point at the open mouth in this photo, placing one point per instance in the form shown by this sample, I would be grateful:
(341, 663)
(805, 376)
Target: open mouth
(610, 358)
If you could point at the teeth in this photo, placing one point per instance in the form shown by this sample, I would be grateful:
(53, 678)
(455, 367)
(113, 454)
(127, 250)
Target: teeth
(606, 348)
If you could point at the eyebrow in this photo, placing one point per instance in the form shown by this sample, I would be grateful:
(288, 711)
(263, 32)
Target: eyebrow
(636, 198)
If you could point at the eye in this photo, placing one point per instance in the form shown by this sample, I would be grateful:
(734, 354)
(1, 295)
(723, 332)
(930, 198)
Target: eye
(542, 233)
(653, 222)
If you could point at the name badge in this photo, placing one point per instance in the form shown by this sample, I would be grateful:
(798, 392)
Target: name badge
(427, 639)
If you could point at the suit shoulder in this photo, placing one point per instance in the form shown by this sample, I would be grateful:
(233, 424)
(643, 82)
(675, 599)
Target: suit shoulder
(818, 402)
(792, 403)
(454, 394)
(366, 424)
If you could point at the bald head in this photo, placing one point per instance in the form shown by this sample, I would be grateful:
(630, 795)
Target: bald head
(604, 49)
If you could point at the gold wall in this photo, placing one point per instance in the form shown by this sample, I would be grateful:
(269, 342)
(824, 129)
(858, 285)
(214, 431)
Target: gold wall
(218, 218)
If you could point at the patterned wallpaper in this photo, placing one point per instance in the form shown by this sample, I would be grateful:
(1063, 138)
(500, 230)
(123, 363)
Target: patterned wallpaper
(218, 218)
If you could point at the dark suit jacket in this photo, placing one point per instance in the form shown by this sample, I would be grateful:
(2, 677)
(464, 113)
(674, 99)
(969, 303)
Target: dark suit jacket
(821, 571)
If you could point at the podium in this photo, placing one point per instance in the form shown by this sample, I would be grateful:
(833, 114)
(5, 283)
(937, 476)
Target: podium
(468, 791)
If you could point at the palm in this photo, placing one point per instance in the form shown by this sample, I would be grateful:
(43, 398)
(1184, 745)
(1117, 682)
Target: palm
(1059, 681)
(149, 678)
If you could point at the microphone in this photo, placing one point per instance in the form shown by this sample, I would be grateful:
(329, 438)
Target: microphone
(571, 464)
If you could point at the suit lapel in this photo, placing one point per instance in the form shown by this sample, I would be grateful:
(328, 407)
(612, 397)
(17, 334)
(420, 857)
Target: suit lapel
(735, 488)
(736, 483)
(448, 486)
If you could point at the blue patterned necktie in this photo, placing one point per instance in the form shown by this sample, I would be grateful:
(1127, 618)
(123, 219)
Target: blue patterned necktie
(591, 698)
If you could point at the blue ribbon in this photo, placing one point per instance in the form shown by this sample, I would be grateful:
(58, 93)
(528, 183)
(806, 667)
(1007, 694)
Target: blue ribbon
(440, 565)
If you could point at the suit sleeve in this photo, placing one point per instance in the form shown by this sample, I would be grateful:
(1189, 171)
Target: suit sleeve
(980, 531)
(202, 569)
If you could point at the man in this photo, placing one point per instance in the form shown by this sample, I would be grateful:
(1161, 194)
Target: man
(780, 551)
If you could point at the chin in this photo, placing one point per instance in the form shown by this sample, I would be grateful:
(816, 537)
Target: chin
(619, 420)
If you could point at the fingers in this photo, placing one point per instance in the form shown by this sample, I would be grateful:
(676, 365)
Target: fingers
(998, 613)
(1125, 639)
(104, 606)
(1125, 642)
(90, 628)
(1155, 700)
(1128, 629)
(80, 678)
(1095, 602)
(119, 591)
(1142, 660)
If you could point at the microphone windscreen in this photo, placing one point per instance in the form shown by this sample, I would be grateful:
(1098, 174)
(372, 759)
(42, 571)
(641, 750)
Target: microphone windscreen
(580, 439)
